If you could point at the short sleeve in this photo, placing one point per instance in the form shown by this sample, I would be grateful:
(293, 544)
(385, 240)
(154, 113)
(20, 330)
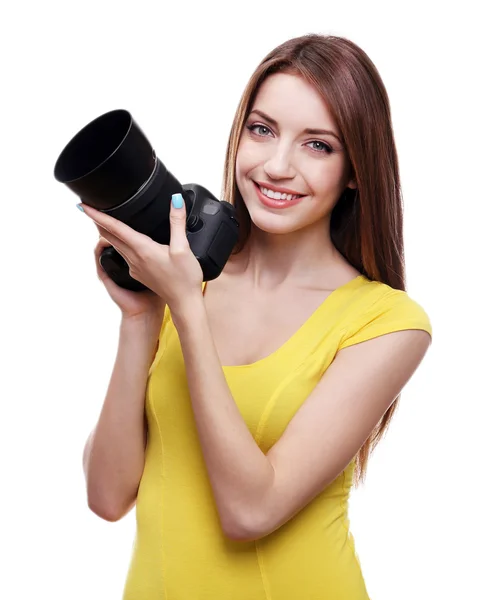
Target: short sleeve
(395, 311)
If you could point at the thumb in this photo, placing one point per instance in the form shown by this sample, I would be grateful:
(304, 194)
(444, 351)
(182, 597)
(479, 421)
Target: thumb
(178, 218)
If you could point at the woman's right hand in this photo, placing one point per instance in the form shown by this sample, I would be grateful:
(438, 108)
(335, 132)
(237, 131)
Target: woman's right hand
(131, 304)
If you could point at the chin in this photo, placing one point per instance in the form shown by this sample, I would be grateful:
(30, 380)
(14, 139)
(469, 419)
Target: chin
(269, 222)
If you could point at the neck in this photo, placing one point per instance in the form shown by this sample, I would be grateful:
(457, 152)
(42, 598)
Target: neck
(302, 256)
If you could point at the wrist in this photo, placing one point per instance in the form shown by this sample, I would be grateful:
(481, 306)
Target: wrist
(143, 321)
(188, 311)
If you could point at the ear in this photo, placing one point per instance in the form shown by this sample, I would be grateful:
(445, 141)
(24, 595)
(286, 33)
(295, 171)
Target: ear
(352, 184)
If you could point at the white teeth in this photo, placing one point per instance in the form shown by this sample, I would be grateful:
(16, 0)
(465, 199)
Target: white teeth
(278, 195)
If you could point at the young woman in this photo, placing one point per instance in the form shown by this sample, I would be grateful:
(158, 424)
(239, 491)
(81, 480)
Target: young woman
(241, 412)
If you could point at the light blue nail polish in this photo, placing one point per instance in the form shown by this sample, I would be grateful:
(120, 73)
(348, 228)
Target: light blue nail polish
(177, 200)
(80, 207)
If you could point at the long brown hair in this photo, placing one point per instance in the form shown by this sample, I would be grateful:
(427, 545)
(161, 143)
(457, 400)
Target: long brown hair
(366, 224)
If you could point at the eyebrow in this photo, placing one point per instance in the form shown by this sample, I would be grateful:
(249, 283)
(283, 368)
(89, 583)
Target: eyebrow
(308, 130)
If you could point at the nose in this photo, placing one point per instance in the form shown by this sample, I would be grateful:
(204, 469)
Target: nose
(279, 165)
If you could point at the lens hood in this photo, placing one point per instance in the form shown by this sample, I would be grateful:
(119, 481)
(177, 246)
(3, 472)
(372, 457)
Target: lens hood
(108, 161)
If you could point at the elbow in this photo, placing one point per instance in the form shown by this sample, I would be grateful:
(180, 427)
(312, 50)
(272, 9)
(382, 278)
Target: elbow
(107, 510)
(252, 520)
(240, 535)
(248, 527)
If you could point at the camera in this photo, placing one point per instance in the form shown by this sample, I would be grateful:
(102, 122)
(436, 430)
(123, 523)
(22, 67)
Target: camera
(111, 166)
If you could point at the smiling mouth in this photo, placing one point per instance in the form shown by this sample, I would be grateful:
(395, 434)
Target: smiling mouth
(277, 195)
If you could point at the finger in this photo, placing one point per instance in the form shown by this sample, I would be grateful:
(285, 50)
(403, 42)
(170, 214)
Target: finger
(178, 218)
(114, 241)
(101, 245)
(101, 273)
(103, 241)
(123, 232)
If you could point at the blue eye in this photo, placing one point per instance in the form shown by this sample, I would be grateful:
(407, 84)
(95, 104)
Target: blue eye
(256, 126)
(323, 147)
(263, 131)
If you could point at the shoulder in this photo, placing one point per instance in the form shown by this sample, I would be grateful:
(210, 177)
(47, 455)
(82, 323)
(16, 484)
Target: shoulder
(378, 309)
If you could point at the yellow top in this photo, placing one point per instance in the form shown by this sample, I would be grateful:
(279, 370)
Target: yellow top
(180, 552)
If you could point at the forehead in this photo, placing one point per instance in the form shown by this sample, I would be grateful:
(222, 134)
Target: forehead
(289, 99)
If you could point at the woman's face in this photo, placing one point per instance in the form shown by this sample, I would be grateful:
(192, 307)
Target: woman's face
(284, 149)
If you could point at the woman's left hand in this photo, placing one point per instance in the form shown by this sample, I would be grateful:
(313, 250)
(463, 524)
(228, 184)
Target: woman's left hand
(172, 271)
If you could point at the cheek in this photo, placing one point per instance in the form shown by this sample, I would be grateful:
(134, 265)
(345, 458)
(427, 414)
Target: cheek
(245, 161)
(322, 177)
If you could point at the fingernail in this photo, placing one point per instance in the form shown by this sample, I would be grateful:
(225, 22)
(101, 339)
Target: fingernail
(80, 207)
(177, 200)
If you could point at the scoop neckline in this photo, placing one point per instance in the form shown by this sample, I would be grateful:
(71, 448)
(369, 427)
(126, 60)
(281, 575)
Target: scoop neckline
(325, 305)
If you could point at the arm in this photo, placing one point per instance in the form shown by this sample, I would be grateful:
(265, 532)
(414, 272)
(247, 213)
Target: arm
(114, 454)
(324, 435)
(257, 493)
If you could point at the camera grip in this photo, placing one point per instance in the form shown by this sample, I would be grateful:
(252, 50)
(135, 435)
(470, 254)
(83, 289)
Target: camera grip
(118, 270)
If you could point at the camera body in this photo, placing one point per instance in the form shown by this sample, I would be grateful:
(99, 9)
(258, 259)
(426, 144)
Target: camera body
(212, 231)
(112, 167)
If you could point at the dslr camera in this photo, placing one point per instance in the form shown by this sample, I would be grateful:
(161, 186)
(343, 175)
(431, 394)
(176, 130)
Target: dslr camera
(111, 166)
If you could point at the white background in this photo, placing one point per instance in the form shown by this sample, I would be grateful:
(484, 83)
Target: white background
(180, 68)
